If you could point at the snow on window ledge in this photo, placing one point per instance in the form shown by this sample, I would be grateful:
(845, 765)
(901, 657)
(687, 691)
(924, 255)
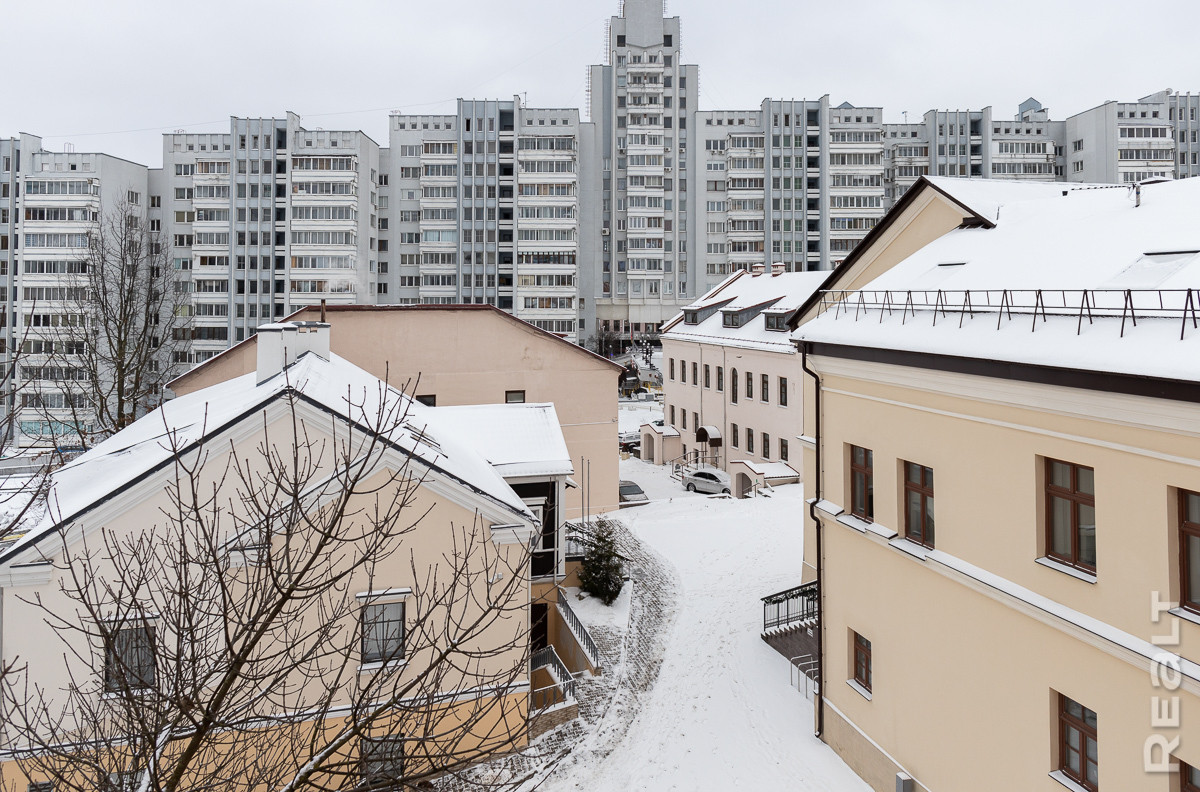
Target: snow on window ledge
(1185, 614)
(1061, 778)
(1058, 566)
(862, 691)
(390, 665)
(862, 526)
(912, 548)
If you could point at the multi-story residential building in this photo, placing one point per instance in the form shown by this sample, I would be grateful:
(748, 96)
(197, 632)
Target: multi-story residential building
(1064, 467)
(1120, 142)
(50, 202)
(731, 384)
(641, 101)
(483, 207)
(267, 218)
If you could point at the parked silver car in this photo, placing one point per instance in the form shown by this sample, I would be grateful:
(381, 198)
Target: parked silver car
(708, 480)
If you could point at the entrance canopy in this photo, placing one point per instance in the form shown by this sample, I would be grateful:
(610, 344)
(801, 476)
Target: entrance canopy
(710, 435)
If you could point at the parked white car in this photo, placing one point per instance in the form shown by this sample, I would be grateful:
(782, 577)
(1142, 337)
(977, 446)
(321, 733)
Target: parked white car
(708, 480)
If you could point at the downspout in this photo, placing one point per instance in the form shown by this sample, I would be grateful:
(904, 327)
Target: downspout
(812, 513)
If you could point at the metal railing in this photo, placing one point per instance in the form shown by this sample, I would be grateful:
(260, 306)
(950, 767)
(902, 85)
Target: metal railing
(802, 670)
(578, 630)
(788, 607)
(1079, 304)
(548, 659)
(551, 695)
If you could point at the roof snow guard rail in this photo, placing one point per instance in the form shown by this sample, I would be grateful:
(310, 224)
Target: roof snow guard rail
(1090, 304)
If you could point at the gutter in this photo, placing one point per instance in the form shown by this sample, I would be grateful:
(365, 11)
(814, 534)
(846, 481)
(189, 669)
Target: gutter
(812, 513)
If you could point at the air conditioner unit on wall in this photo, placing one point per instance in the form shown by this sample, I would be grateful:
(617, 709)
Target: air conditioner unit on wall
(604, 232)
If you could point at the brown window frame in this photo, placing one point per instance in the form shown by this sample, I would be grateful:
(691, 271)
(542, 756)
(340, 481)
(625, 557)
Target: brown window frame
(1185, 783)
(1076, 499)
(1187, 529)
(707, 371)
(862, 670)
(682, 372)
(733, 386)
(750, 386)
(1067, 721)
(720, 379)
(671, 368)
(764, 388)
(783, 450)
(695, 374)
(924, 493)
(782, 388)
(867, 472)
(733, 435)
(766, 446)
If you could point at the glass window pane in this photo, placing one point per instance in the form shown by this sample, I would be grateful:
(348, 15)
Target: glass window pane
(1192, 508)
(1060, 475)
(912, 472)
(1074, 708)
(1086, 480)
(1087, 535)
(1192, 558)
(929, 520)
(1060, 526)
(914, 513)
(857, 454)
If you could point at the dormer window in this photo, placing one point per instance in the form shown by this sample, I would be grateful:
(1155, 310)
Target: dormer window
(691, 317)
(776, 321)
(731, 319)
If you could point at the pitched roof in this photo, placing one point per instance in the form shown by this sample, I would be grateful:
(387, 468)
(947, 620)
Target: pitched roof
(299, 312)
(777, 292)
(517, 439)
(335, 386)
(1074, 265)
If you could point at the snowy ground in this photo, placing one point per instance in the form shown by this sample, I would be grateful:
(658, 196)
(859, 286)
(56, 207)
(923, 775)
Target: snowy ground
(631, 415)
(720, 714)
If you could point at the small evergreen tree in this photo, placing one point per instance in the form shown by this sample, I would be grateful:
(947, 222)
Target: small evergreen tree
(600, 573)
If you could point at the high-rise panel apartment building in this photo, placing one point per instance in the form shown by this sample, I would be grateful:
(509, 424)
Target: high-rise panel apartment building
(267, 218)
(483, 207)
(643, 101)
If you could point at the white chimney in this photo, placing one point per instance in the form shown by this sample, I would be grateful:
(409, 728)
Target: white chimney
(280, 345)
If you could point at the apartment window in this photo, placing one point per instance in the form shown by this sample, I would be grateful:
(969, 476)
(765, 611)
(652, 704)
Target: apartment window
(1071, 514)
(1189, 550)
(514, 397)
(683, 371)
(382, 632)
(764, 391)
(683, 419)
(766, 445)
(733, 435)
(918, 504)
(733, 386)
(381, 761)
(695, 420)
(749, 441)
(129, 658)
(1077, 743)
(671, 367)
(783, 396)
(862, 489)
(720, 378)
(783, 450)
(695, 373)
(1189, 778)
(706, 378)
(862, 662)
(749, 385)
(671, 412)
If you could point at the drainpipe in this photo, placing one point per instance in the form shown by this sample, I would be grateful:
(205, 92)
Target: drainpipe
(812, 513)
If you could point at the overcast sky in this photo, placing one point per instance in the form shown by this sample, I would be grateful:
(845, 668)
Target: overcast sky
(113, 76)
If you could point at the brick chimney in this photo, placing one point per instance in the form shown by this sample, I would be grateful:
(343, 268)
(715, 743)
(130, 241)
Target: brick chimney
(280, 345)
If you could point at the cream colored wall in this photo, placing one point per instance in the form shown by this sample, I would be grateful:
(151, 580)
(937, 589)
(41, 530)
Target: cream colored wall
(715, 408)
(950, 662)
(473, 357)
(27, 636)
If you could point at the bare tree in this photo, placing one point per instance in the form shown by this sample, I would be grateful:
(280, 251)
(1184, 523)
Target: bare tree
(120, 330)
(230, 645)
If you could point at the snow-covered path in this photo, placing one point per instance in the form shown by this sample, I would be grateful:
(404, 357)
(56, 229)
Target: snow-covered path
(720, 714)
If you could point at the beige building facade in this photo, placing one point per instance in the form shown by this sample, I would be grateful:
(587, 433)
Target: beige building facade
(473, 354)
(732, 379)
(1042, 632)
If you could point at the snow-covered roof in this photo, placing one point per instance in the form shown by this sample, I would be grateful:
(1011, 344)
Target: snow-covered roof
(770, 470)
(335, 385)
(780, 293)
(517, 439)
(1088, 261)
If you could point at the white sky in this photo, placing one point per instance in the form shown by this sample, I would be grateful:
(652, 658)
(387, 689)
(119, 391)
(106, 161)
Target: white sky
(112, 76)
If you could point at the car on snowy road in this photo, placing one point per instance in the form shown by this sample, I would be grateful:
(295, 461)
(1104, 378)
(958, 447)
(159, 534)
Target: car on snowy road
(631, 494)
(710, 480)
